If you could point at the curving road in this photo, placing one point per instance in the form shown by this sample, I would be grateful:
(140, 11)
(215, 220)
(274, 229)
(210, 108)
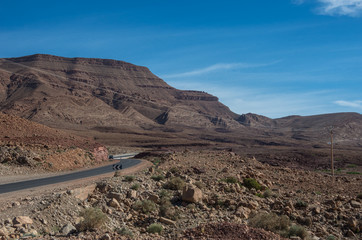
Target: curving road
(16, 186)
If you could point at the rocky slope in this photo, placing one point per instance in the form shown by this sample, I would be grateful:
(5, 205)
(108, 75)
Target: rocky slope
(196, 195)
(80, 92)
(30, 144)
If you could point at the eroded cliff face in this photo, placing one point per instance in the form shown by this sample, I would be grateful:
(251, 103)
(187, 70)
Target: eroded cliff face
(87, 93)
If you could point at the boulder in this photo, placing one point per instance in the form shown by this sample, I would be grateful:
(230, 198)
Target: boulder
(22, 220)
(114, 203)
(83, 192)
(68, 229)
(191, 194)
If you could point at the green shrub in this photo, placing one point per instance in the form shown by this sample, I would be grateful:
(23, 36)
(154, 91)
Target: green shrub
(252, 183)
(164, 194)
(158, 178)
(93, 218)
(125, 232)
(270, 222)
(135, 186)
(167, 210)
(301, 204)
(145, 206)
(268, 193)
(297, 230)
(155, 228)
(129, 178)
(174, 183)
(230, 180)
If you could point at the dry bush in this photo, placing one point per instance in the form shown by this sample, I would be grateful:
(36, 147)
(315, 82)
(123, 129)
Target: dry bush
(93, 218)
(145, 206)
(270, 222)
(175, 183)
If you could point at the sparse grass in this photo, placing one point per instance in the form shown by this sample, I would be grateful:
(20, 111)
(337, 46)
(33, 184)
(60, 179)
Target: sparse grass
(155, 228)
(167, 210)
(354, 173)
(351, 165)
(251, 183)
(164, 194)
(93, 218)
(135, 186)
(270, 222)
(268, 193)
(129, 178)
(145, 206)
(158, 178)
(297, 230)
(124, 232)
(175, 183)
(230, 179)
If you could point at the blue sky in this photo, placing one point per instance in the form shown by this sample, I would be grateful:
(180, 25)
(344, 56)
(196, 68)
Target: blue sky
(275, 58)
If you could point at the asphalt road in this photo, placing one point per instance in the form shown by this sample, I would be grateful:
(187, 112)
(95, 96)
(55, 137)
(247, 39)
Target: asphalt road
(16, 186)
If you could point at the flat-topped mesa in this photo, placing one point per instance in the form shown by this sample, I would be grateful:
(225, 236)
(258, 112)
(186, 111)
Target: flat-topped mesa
(195, 95)
(76, 60)
(91, 92)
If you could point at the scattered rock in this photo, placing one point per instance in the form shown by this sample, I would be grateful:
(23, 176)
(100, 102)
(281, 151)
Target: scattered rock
(22, 220)
(68, 229)
(191, 194)
(167, 221)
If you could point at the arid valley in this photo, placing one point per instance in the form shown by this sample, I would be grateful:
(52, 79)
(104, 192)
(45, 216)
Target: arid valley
(205, 171)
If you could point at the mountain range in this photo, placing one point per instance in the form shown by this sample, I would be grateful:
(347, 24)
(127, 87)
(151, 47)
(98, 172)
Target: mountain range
(121, 103)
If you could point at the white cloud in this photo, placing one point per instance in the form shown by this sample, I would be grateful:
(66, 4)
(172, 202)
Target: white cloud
(217, 67)
(352, 8)
(353, 104)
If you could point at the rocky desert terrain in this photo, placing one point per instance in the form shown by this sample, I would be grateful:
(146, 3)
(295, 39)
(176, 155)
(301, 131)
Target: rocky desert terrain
(207, 173)
(195, 195)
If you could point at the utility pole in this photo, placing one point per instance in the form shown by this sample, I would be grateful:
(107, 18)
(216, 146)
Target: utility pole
(332, 160)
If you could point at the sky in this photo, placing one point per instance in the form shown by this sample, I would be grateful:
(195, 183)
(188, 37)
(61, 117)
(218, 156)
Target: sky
(274, 58)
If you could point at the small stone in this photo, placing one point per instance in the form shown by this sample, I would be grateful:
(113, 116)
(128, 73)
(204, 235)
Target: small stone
(355, 204)
(114, 203)
(167, 221)
(22, 220)
(132, 194)
(3, 231)
(154, 198)
(106, 237)
(68, 229)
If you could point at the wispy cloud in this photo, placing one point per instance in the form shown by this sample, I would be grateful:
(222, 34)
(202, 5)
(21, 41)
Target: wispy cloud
(217, 67)
(352, 104)
(352, 8)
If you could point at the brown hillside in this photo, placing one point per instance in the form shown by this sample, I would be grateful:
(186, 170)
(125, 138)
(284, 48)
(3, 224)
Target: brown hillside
(23, 142)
